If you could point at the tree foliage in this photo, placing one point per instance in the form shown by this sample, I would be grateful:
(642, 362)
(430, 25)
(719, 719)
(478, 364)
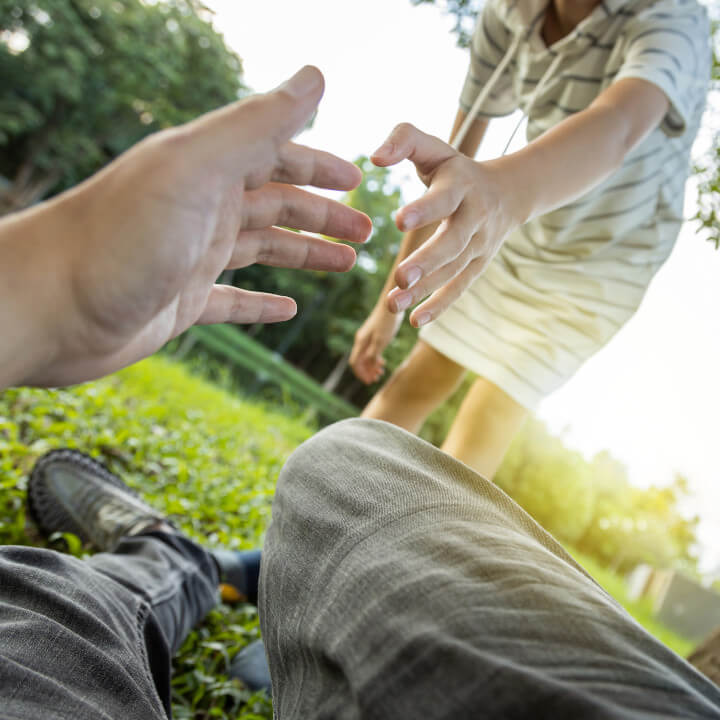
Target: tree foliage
(708, 172)
(85, 79)
(592, 505)
(464, 11)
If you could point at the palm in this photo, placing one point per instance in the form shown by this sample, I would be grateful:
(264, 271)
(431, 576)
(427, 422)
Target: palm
(168, 217)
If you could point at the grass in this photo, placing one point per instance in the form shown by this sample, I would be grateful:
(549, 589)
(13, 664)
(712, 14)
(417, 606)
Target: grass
(197, 452)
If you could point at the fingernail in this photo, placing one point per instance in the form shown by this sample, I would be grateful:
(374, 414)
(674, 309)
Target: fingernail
(402, 302)
(412, 275)
(303, 82)
(422, 319)
(279, 311)
(384, 149)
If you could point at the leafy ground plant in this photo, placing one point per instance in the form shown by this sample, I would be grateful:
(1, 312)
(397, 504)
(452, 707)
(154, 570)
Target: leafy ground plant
(195, 452)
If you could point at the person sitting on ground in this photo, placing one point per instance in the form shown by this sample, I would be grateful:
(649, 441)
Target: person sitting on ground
(395, 582)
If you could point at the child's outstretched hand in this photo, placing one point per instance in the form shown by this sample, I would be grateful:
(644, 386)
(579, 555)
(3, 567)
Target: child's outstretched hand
(474, 203)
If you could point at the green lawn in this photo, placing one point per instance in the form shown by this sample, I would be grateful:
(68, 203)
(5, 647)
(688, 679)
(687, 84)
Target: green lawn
(195, 452)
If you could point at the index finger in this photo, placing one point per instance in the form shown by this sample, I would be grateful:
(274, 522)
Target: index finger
(300, 165)
(289, 206)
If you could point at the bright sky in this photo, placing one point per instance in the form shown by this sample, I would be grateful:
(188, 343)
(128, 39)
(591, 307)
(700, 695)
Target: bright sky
(652, 396)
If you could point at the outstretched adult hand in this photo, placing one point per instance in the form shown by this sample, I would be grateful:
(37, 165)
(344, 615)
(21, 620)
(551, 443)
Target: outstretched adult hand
(129, 259)
(473, 202)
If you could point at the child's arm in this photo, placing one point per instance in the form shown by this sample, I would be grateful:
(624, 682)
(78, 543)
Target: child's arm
(479, 204)
(382, 324)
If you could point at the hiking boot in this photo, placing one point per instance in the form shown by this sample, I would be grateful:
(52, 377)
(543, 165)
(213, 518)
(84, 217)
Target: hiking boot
(69, 491)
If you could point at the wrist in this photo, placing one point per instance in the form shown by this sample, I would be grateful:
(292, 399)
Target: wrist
(509, 175)
(33, 294)
(381, 311)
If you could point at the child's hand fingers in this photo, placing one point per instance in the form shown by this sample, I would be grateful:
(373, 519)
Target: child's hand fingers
(399, 300)
(449, 241)
(283, 248)
(442, 199)
(366, 359)
(406, 142)
(286, 205)
(441, 299)
(300, 165)
(364, 364)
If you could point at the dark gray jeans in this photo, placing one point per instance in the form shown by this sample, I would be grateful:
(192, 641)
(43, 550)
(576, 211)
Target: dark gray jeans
(84, 640)
(396, 583)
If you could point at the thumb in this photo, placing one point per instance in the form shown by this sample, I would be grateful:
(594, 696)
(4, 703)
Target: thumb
(407, 142)
(245, 137)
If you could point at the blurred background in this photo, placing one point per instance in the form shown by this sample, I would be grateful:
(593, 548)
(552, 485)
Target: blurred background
(622, 464)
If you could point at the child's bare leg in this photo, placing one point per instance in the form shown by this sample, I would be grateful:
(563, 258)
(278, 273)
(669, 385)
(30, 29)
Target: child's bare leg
(425, 380)
(484, 427)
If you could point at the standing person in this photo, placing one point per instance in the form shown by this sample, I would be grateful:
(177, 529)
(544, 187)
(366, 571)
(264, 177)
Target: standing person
(540, 256)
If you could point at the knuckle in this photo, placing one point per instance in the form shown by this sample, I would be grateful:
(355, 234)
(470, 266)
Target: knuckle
(404, 129)
(175, 138)
(457, 165)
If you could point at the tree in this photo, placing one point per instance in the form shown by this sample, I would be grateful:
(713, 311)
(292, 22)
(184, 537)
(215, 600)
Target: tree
(553, 483)
(85, 79)
(592, 506)
(465, 12)
(708, 172)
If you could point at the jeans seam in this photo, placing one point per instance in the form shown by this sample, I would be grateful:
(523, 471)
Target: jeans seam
(144, 611)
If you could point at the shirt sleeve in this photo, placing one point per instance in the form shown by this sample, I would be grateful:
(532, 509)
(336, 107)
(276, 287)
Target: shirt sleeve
(668, 44)
(490, 42)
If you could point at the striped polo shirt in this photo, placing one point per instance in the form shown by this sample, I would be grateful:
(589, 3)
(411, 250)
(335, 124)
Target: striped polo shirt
(565, 282)
(665, 42)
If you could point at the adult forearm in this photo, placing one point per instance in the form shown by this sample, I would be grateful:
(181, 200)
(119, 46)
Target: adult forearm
(32, 288)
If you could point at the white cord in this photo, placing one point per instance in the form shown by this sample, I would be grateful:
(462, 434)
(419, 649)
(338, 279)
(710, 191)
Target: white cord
(482, 96)
(512, 135)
